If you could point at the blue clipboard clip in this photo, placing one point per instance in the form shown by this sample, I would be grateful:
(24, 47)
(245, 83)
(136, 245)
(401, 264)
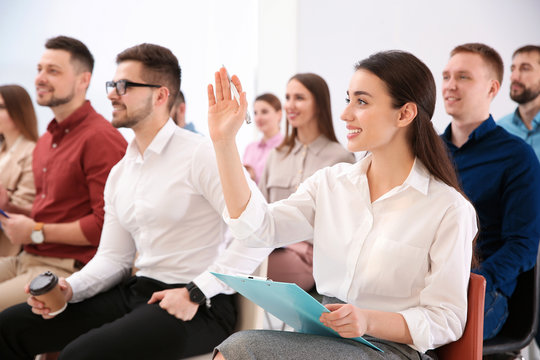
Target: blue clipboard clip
(286, 301)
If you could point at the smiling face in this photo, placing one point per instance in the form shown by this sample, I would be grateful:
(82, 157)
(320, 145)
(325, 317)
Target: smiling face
(136, 105)
(57, 78)
(267, 118)
(525, 77)
(468, 87)
(299, 105)
(372, 120)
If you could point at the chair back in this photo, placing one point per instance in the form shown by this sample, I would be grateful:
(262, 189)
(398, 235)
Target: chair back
(469, 346)
(522, 323)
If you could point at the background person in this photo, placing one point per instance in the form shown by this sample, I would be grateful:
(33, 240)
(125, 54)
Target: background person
(499, 173)
(18, 136)
(267, 111)
(310, 144)
(71, 162)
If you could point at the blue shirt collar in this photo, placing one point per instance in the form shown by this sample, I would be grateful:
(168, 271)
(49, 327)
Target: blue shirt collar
(516, 119)
(480, 132)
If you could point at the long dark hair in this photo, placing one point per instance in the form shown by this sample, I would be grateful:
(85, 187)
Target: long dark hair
(20, 109)
(408, 79)
(323, 110)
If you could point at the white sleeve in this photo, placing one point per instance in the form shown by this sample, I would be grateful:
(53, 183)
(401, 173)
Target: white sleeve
(442, 313)
(236, 258)
(281, 223)
(114, 257)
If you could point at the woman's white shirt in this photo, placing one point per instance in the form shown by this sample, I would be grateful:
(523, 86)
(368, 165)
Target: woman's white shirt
(407, 252)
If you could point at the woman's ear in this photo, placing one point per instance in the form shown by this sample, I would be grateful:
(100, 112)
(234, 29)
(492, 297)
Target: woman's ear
(407, 113)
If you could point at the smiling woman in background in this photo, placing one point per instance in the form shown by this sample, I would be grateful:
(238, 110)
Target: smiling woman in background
(310, 144)
(18, 136)
(267, 111)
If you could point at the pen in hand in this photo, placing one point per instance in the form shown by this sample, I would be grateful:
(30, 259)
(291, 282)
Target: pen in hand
(236, 95)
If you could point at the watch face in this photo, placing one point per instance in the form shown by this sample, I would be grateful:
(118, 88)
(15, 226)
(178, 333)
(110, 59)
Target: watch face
(196, 295)
(37, 236)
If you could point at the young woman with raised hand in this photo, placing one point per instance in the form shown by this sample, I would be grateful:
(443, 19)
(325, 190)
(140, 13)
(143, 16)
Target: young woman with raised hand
(392, 233)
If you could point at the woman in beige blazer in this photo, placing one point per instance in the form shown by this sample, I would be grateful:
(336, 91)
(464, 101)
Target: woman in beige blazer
(310, 144)
(18, 136)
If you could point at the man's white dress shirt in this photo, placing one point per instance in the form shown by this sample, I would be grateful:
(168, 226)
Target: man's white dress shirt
(166, 205)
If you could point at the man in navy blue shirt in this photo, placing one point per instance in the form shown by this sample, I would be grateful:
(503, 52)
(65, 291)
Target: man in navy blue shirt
(499, 173)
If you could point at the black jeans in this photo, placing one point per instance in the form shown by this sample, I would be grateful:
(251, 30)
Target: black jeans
(117, 324)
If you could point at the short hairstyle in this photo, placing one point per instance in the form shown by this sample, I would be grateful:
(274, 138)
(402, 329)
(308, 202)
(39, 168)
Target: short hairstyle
(323, 110)
(78, 51)
(160, 64)
(20, 109)
(527, 49)
(490, 56)
(180, 98)
(271, 99)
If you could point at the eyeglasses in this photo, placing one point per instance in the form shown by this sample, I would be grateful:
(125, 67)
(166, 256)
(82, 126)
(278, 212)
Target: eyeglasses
(122, 85)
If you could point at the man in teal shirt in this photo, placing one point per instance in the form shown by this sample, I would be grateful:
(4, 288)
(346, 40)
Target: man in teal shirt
(525, 90)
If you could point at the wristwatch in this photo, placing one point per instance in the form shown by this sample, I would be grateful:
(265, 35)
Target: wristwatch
(195, 294)
(37, 234)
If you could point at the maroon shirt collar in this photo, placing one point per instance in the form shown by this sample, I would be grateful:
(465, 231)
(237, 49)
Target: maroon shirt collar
(58, 130)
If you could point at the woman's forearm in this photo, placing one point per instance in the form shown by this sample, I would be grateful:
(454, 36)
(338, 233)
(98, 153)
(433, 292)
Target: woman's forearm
(233, 181)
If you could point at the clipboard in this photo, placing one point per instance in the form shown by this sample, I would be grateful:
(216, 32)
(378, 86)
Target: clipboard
(286, 301)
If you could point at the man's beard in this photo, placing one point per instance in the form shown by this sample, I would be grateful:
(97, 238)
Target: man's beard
(54, 101)
(134, 119)
(527, 95)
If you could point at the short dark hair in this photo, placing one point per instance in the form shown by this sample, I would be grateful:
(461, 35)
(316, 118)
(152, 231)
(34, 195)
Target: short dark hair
(271, 99)
(527, 49)
(160, 64)
(78, 51)
(180, 98)
(490, 56)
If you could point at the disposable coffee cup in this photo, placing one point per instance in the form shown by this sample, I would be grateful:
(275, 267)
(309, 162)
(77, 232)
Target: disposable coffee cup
(45, 288)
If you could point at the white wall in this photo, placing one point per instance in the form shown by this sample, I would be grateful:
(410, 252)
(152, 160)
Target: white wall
(203, 35)
(265, 42)
(333, 35)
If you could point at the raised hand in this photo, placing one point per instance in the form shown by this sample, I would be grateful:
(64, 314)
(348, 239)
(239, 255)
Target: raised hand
(225, 116)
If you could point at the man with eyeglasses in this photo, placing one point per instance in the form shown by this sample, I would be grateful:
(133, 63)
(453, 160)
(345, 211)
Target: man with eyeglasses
(71, 162)
(163, 201)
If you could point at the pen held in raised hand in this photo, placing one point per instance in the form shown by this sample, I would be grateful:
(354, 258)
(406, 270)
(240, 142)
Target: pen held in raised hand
(236, 95)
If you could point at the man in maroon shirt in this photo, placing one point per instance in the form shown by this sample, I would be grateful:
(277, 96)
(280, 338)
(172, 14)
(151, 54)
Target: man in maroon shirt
(71, 163)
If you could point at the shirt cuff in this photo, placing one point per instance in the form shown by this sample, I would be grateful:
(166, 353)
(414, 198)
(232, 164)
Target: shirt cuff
(249, 221)
(210, 285)
(418, 328)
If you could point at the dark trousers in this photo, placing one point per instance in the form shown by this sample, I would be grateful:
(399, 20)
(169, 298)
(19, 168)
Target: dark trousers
(117, 324)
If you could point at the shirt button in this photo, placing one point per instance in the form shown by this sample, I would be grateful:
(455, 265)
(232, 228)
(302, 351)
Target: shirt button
(67, 130)
(42, 196)
(54, 146)
(44, 169)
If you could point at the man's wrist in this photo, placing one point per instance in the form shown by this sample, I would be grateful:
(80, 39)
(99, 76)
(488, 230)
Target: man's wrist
(37, 236)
